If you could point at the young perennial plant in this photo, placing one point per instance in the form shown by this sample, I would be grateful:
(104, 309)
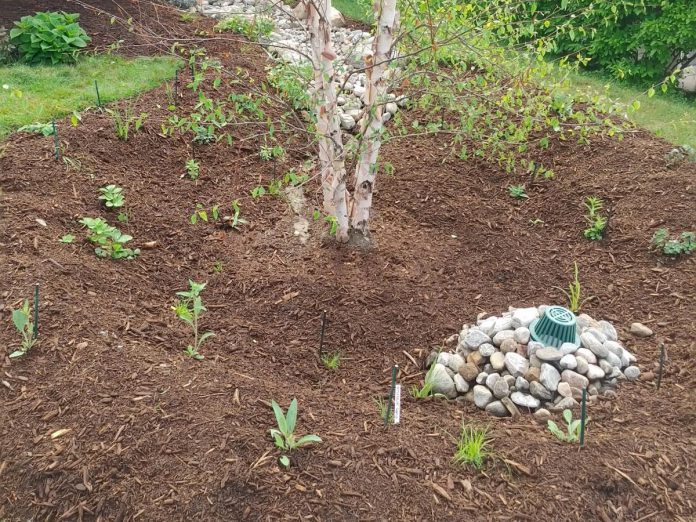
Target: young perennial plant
(684, 244)
(21, 318)
(189, 309)
(472, 446)
(284, 436)
(573, 428)
(112, 196)
(109, 240)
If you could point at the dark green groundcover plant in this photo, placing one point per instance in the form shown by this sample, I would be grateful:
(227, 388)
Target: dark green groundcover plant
(48, 37)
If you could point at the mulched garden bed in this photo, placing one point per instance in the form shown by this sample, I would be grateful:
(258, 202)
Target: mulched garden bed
(157, 436)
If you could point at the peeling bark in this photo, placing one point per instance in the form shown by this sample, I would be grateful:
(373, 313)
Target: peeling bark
(330, 136)
(375, 99)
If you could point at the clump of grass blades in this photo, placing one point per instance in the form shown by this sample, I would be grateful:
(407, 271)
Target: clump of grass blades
(472, 446)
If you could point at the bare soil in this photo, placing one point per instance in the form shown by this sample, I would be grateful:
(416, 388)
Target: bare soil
(154, 435)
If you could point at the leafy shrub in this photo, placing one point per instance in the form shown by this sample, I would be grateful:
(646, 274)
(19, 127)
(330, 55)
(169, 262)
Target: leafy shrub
(291, 82)
(49, 37)
(643, 40)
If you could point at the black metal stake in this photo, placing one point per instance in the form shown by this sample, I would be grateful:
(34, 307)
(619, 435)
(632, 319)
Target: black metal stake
(96, 88)
(323, 329)
(583, 417)
(395, 369)
(36, 311)
(56, 142)
(662, 364)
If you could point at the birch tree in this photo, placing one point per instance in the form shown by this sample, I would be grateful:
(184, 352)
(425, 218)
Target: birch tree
(351, 211)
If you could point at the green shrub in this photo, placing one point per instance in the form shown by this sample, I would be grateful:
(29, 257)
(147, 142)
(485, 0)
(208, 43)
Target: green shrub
(48, 37)
(642, 40)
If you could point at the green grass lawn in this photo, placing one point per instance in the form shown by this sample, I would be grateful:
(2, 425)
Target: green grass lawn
(358, 10)
(670, 116)
(52, 91)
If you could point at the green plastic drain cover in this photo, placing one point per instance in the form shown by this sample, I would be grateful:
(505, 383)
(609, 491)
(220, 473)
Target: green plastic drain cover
(555, 327)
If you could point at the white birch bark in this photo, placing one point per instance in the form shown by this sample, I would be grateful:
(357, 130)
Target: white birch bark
(375, 98)
(330, 137)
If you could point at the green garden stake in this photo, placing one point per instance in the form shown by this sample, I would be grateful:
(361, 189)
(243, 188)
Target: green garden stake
(176, 85)
(321, 336)
(56, 142)
(662, 364)
(583, 417)
(36, 311)
(391, 395)
(96, 88)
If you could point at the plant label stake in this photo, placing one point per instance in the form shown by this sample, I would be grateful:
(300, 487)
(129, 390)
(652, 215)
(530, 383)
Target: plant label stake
(662, 364)
(96, 88)
(56, 142)
(321, 336)
(36, 311)
(583, 417)
(397, 404)
(391, 395)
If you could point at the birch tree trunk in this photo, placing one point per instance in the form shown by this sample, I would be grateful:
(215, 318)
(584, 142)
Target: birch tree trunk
(331, 154)
(375, 98)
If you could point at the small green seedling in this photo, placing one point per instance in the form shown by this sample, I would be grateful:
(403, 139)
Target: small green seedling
(382, 405)
(685, 243)
(123, 121)
(517, 192)
(189, 309)
(21, 318)
(202, 214)
(596, 222)
(331, 361)
(574, 292)
(536, 221)
(427, 389)
(472, 447)
(235, 220)
(67, 238)
(217, 267)
(573, 426)
(122, 217)
(112, 196)
(109, 240)
(193, 169)
(284, 436)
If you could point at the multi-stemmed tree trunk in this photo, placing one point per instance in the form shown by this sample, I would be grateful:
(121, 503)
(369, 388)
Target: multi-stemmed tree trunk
(330, 137)
(375, 98)
(351, 213)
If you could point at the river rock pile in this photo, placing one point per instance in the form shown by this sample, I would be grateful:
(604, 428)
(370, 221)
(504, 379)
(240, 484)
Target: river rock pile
(498, 367)
(289, 43)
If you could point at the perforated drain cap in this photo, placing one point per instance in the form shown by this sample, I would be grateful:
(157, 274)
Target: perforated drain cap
(555, 327)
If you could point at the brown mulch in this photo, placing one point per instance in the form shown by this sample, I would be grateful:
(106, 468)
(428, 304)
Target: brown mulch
(154, 435)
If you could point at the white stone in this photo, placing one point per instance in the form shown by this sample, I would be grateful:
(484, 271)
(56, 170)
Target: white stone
(524, 316)
(587, 355)
(522, 335)
(497, 361)
(516, 364)
(549, 377)
(460, 384)
(482, 396)
(568, 362)
(499, 337)
(523, 399)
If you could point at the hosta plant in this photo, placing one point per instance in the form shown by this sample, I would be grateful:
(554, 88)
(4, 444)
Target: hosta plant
(48, 37)
(21, 318)
(109, 240)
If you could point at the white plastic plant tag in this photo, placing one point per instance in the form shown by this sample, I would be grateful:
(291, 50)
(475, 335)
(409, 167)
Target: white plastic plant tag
(397, 403)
